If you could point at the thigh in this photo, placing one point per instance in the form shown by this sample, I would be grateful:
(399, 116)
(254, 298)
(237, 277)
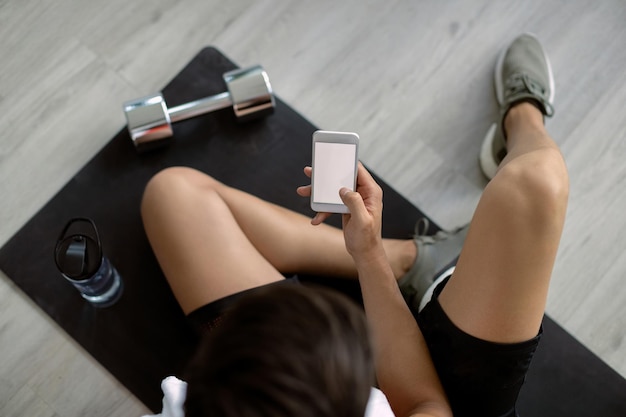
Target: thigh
(201, 248)
(285, 238)
(479, 377)
(499, 288)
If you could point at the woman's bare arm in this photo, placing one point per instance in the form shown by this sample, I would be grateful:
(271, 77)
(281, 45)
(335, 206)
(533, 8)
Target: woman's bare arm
(405, 370)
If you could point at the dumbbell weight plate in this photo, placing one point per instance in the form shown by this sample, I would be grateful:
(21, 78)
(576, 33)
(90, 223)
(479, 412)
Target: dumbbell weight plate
(148, 121)
(250, 92)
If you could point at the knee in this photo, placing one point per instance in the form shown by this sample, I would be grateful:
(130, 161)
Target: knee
(171, 182)
(537, 182)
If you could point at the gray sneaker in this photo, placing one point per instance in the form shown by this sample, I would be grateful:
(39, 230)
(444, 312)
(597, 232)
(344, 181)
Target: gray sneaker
(434, 253)
(523, 73)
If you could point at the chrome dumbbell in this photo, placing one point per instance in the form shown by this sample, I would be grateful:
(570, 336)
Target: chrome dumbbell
(150, 121)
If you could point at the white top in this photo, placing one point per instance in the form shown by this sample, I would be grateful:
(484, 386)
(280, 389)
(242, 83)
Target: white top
(175, 392)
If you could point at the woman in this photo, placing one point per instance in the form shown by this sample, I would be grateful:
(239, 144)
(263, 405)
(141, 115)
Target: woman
(477, 334)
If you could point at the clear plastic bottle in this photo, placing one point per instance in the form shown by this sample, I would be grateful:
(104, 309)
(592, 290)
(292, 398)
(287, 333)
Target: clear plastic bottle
(78, 256)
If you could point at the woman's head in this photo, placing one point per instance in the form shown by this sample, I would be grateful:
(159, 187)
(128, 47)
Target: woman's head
(285, 350)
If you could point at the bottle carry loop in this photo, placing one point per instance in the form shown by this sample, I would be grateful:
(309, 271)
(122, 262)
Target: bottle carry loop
(79, 257)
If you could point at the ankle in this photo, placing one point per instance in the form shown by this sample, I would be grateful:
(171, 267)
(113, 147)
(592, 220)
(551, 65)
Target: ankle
(523, 116)
(402, 255)
(526, 131)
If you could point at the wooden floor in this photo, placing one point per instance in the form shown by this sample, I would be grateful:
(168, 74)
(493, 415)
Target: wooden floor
(413, 78)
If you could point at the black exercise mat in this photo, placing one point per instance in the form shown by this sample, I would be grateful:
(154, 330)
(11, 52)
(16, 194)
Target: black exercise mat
(145, 337)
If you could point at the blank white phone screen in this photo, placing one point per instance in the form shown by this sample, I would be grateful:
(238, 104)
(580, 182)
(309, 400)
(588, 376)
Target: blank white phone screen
(334, 169)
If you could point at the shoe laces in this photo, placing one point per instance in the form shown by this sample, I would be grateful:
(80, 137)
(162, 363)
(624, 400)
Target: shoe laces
(522, 83)
(421, 228)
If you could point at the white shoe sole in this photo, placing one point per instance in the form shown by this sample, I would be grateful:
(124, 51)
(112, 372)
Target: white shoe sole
(487, 161)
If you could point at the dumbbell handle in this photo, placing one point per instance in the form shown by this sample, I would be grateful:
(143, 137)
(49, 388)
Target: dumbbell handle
(199, 107)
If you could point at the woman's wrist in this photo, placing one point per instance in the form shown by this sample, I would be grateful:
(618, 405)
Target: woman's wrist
(374, 259)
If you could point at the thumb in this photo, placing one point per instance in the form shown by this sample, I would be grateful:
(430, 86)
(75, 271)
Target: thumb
(353, 201)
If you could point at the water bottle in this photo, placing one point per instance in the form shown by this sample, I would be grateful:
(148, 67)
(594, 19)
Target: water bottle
(78, 256)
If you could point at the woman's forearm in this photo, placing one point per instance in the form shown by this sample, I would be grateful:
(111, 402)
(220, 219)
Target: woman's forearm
(403, 364)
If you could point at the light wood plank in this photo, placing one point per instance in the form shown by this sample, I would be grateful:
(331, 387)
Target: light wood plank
(413, 78)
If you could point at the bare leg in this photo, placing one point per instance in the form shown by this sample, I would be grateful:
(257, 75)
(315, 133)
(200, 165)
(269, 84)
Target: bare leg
(499, 289)
(212, 240)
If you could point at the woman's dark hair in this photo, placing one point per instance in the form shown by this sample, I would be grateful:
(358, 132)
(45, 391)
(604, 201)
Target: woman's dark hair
(284, 350)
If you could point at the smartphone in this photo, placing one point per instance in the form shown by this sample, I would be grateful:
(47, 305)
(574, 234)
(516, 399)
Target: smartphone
(335, 156)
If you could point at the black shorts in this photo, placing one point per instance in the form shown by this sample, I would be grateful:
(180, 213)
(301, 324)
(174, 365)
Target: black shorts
(206, 318)
(480, 378)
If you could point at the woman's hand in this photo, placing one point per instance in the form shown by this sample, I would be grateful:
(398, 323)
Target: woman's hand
(362, 226)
